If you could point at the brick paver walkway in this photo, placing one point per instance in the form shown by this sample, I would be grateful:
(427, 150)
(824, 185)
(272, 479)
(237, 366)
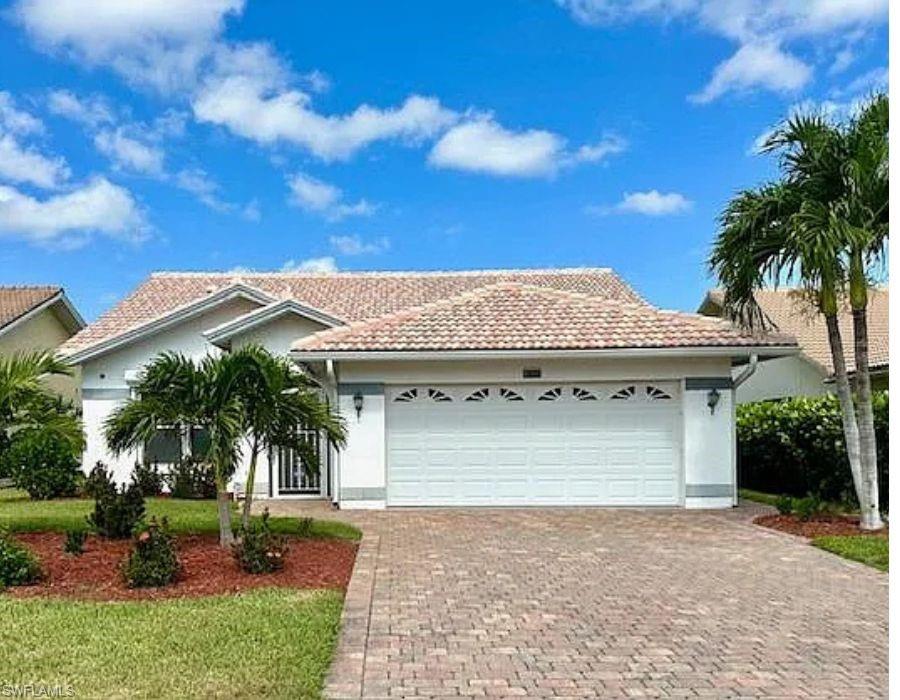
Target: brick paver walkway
(605, 603)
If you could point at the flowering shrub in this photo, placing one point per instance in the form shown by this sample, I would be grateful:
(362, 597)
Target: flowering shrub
(153, 561)
(258, 550)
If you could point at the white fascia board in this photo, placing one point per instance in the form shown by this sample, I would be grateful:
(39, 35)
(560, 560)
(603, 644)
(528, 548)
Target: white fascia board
(173, 318)
(258, 317)
(701, 351)
(76, 321)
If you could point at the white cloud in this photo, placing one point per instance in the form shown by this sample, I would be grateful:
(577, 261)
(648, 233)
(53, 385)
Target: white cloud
(248, 107)
(323, 198)
(325, 264)
(68, 220)
(14, 120)
(91, 111)
(129, 153)
(650, 203)
(26, 165)
(753, 66)
(153, 42)
(766, 26)
(198, 182)
(354, 245)
(484, 146)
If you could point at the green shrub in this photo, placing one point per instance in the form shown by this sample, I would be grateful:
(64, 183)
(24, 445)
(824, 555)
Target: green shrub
(784, 504)
(74, 543)
(117, 512)
(43, 464)
(796, 447)
(149, 479)
(304, 527)
(258, 550)
(18, 565)
(808, 507)
(191, 479)
(153, 561)
(97, 481)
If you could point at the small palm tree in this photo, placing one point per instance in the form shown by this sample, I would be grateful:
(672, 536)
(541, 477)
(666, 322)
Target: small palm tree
(823, 225)
(179, 391)
(280, 403)
(247, 396)
(27, 405)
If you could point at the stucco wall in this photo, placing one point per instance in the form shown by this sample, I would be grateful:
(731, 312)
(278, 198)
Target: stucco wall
(782, 377)
(43, 331)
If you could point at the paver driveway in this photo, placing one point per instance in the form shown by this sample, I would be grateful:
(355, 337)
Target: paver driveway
(605, 603)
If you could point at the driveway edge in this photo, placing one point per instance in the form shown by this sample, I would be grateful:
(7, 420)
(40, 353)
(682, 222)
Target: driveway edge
(345, 679)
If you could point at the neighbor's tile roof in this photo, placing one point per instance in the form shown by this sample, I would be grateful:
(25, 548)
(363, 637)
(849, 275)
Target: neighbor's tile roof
(519, 316)
(18, 301)
(792, 314)
(346, 295)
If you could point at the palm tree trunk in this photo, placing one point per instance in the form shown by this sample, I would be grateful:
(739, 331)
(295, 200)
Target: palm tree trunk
(845, 398)
(870, 516)
(223, 503)
(251, 481)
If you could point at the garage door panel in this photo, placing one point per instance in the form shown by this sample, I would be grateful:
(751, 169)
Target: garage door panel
(563, 451)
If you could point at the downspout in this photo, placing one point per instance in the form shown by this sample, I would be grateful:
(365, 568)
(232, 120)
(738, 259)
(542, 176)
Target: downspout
(745, 374)
(334, 457)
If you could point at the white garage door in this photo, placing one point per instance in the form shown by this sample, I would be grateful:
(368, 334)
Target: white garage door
(561, 444)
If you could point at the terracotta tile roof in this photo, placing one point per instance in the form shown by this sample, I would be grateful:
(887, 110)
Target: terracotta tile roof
(518, 316)
(791, 314)
(348, 296)
(18, 301)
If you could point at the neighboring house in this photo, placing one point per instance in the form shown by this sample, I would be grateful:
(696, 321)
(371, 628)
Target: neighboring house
(39, 318)
(811, 372)
(488, 388)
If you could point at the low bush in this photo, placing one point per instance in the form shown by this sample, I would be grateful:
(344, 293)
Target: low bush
(796, 447)
(97, 481)
(191, 479)
(74, 543)
(18, 565)
(43, 464)
(808, 507)
(117, 512)
(149, 479)
(784, 504)
(153, 561)
(258, 550)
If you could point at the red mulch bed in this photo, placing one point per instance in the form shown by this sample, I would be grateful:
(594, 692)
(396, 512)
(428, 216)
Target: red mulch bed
(207, 569)
(819, 526)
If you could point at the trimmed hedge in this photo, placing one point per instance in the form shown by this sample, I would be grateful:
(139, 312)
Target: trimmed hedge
(796, 447)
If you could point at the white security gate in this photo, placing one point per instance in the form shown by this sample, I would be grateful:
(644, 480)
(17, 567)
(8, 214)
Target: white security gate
(559, 444)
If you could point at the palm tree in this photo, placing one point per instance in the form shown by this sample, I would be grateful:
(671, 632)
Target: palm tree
(278, 400)
(27, 405)
(179, 391)
(824, 225)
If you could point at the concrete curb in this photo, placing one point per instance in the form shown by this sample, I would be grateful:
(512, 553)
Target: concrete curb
(345, 679)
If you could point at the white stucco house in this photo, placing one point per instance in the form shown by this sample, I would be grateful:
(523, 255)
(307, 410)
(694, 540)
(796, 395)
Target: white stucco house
(483, 388)
(810, 372)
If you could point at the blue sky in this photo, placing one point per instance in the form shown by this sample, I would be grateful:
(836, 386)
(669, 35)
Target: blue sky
(223, 134)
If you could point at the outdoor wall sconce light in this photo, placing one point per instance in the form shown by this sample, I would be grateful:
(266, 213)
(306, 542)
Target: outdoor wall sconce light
(712, 398)
(358, 403)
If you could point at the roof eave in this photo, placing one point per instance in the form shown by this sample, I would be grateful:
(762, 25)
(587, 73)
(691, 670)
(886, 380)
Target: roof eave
(692, 351)
(72, 320)
(169, 320)
(224, 332)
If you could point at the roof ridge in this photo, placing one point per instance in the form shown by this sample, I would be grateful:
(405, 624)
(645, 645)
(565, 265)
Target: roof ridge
(29, 287)
(465, 295)
(383, 273)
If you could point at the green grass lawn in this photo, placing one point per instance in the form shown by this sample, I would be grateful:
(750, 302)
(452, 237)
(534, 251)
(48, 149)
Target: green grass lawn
(20, 514)
(868, 549)
(266, 643)
(758, 496)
